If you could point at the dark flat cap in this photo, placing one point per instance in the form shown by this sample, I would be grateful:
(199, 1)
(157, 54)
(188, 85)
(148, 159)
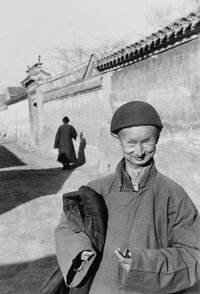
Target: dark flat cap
(135, 113)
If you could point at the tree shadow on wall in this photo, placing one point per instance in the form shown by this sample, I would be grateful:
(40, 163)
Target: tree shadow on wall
(8, 159)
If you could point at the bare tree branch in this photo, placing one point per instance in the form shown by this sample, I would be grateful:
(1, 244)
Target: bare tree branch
(62, 59)
(160, 17)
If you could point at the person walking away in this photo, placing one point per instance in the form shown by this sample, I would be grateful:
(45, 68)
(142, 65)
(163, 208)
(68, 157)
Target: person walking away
(64, 143)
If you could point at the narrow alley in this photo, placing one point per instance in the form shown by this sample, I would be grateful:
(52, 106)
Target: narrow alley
(32, 184)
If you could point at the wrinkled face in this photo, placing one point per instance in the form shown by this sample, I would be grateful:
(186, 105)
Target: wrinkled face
(139, 143)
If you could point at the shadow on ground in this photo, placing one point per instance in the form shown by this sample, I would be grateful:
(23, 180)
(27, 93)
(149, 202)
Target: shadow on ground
(20, 186)
(8, 159)
(28, 277)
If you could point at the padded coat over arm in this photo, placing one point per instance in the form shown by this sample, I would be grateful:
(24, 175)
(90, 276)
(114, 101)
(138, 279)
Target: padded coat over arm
(83, 227)
(68, 247)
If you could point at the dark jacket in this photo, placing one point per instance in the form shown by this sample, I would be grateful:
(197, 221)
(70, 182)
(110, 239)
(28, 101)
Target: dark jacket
(159, 224)
(64, 143)
(86, 212)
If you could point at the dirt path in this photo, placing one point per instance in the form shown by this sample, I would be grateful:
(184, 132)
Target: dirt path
(31, 188)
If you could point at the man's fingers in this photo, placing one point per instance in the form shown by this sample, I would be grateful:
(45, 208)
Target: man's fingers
(127, 253)
(119, 255)
(126, 266)
(87, 254)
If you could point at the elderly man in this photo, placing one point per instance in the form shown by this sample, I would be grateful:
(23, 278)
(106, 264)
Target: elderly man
(153, 234)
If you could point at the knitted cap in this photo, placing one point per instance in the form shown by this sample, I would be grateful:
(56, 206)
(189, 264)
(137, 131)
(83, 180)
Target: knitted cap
(135, 113)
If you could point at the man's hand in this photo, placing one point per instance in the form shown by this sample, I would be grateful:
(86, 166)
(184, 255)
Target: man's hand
(87, 254)
(124, 258)
(81, 259)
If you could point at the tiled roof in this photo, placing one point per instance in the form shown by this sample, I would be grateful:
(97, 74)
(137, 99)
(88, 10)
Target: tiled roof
(74, 75)
(15, 92)
(178, 30)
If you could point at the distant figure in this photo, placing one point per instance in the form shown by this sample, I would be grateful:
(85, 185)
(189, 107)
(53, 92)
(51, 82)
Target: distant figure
(64, 143)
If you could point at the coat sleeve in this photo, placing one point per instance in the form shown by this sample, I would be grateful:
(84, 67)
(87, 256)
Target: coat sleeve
(172, 269)
(56, 141)
(68, 246)
(73, 133)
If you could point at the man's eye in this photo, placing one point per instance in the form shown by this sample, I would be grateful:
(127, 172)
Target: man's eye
(150, 141)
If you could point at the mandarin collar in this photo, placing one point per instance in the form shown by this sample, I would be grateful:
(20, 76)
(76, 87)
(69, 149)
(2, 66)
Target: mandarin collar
(146, 179)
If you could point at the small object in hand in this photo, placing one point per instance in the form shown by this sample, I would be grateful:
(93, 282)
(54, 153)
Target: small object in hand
(127, 253)
(124, 258)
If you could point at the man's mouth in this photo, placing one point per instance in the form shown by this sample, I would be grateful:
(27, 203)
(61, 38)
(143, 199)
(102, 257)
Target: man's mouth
(140, 158)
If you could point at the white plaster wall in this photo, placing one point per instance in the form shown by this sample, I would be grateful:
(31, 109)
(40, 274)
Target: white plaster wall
(10, 118)
(14, 122)
(86, 114)
(3, 122)
(22, 125)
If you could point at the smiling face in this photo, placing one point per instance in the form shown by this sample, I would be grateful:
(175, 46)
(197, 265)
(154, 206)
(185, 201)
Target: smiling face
(139, 143)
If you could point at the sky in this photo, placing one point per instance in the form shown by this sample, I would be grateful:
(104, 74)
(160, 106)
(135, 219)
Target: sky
(31, 28)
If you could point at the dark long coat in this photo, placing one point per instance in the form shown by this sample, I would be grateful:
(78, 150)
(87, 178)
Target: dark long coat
(64, 143)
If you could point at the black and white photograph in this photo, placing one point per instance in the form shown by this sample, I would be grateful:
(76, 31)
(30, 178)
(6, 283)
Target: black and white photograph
(99, 147)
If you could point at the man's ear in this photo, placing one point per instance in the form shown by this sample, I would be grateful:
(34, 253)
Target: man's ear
(158, 131)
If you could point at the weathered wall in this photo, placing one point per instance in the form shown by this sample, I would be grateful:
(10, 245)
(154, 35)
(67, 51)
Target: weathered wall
(15, 122)
(86, 114)
(3, 122)
(171, 82)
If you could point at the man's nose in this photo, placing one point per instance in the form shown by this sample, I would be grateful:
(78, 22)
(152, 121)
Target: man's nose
(139, 151)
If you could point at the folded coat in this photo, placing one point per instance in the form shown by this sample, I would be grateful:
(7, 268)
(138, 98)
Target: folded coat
(86, 214)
